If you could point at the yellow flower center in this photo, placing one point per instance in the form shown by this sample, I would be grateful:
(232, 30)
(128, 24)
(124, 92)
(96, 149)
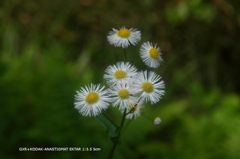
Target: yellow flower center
(123, 93)
(154, 53)
(119, 74)
(147, 87)
(123, 33)
(132, 108)
(92, 98)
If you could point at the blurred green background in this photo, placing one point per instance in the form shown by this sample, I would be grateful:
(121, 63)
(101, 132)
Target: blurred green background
(49, 49)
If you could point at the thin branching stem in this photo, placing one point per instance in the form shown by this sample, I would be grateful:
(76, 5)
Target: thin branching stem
(147, 117)
(118, 136)
(125, 55)
(126, 126)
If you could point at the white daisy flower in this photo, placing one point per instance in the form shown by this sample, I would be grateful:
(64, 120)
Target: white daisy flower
(122, 71)
(91, 100)
(151, 86)
(122, 95)
(133, 110)
(151, 55)
(123, 37)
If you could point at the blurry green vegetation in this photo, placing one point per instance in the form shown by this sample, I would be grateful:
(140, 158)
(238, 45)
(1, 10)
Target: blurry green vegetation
(49, 49)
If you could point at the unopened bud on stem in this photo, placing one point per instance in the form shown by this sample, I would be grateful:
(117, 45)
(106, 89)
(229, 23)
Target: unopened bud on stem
(157, 121)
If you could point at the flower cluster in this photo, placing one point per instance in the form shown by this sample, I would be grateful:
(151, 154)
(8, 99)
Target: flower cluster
(128, 87)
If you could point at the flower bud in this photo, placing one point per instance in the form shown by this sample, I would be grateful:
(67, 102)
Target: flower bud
(157, 121)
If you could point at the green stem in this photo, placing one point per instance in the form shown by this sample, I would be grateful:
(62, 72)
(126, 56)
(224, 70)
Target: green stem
(125, 54)
(134, 62)
(126, 126)
(146, 117)
(118, 136)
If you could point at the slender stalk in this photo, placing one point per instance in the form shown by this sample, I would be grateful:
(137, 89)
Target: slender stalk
(118, 136)
(125, 55)
(126, 126)
(134, 62)
(146, 117)
(112, 151)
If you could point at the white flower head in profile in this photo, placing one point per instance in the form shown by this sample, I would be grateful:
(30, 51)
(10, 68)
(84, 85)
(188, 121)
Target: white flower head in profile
(122, 71)
(151, 86)
(151, 55)
(124, 37)
(91, 100)
(134, 110)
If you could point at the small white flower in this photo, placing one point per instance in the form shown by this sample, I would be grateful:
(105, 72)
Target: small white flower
(122, 95)
(122, 71)
(151, 55)
(151, 86)
(123, 37)
(91, 100)
(157, 121)
(133, 110)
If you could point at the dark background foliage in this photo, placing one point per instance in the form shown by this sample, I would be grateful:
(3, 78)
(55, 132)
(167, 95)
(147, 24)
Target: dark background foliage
(49, 49)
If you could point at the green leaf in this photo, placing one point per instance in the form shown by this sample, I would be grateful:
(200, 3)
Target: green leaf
(108, 125)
